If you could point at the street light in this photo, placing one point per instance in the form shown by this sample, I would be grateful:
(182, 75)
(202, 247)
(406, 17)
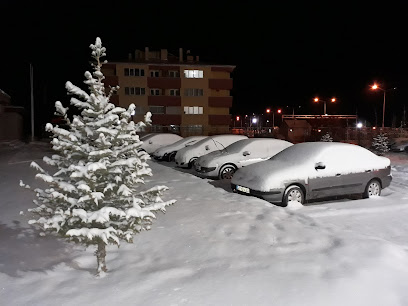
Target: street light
(319, 100)
(268, 111)
(375, 87)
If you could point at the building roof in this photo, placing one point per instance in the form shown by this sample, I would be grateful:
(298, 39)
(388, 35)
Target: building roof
(168, 63)
(297, 123)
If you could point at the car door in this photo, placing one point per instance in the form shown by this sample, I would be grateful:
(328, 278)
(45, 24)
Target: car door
(326, 176)
(250, 154)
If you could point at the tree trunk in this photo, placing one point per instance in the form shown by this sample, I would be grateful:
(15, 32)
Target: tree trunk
(100, 257)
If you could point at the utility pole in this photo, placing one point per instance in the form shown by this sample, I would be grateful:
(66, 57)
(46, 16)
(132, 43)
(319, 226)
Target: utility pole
(32, 102)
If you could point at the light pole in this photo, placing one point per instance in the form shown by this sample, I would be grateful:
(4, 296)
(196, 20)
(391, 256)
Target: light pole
(319, 100)
(375, 87)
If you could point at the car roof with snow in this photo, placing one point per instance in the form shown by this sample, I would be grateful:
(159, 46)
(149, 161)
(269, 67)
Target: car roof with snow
(309, 151)
(254, 144)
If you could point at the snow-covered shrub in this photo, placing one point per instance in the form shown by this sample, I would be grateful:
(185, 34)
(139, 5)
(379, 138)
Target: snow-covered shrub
(94, 196)
(326, 138)
(380, 144)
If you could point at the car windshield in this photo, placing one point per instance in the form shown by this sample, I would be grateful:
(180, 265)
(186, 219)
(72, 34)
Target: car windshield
(298, 153)
(236, 147)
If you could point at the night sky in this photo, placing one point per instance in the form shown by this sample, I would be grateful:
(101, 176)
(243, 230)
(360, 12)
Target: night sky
(285, 53)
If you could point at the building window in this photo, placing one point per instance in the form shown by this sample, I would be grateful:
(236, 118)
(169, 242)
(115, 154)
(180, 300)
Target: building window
(174, 92)
(174, 74)
(134, 72)
(155, 92)
(194, 92)
(138, 91)
(193, 110)
(154, 73)
(157, 109)
(193, 74)
(139, 110)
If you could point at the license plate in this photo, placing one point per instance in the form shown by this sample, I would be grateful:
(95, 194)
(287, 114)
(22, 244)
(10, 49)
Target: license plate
(243, 189)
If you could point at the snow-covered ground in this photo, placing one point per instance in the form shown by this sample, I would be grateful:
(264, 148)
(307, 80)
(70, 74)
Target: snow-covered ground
(213, 247)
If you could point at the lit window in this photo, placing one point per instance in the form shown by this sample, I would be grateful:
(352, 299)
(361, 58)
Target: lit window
(193, 110)
(193, 74)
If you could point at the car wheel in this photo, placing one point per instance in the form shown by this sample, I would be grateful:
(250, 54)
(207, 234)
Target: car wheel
(191, 163)
(373, 189)
(293, 193)
(226, 172)
(171, 156)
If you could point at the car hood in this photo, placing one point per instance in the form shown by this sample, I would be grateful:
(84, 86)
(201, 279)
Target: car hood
(267, 175)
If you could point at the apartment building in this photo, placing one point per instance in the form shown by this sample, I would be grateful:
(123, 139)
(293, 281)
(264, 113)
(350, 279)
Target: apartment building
(183, 95)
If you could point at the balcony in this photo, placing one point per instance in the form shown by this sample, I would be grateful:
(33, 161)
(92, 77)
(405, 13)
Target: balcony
(220, 84)
(162, 119)
(223, 68)
(111, 80)
(220, 102)
(164, 83)
(219, 119)
(164, 100)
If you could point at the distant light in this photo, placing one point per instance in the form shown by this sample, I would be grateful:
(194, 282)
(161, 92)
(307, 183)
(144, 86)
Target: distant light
(267, 120)
(374, 128)
(333, 99)
(254, 120)
(268, 110)
(291, 130)
(374, 86)
(319, 131)
(316, 99)
(279, 111)
(237, 118)
(359, 125)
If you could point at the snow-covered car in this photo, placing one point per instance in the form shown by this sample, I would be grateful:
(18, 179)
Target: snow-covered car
(314, 170)
(186, 156)
(154, 141)
(169, 152)
(399, 145)
(223, 164)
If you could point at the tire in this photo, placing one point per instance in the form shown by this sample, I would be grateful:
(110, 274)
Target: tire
(171, 156)
(373, 189)
(191, 162)
(226, 172)
(293, 193)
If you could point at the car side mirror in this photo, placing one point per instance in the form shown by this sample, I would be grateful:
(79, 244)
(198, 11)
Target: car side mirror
(245, 153)
(150, 141)
(320, 166)
(207, 147)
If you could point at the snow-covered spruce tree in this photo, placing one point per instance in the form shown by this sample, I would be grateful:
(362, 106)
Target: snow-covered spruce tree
(326, 138)
(95, 197)
(380, 144)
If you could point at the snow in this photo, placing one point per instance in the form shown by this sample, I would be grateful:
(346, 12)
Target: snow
(205, 146)
(213, 248)
(259, 149)
(298, 163)
(152, 142)
(188, 141)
